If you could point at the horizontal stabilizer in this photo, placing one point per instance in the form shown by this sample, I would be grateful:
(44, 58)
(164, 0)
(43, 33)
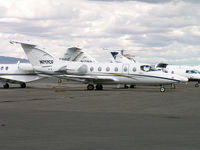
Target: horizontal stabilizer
(24, 43)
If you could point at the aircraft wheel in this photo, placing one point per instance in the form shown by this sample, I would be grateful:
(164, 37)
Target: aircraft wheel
(173, 86)
(90, 87)
(6, 86)
(197, 85)
(126, 86)
(132, 86)
(59, 80)
(99, 87)
(162, 89)
(23, 85)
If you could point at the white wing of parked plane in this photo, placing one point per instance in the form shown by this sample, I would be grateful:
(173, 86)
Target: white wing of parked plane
(18, 78)
(92, 79)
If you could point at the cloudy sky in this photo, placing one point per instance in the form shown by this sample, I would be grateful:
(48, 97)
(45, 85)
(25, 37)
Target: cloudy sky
(153, 30)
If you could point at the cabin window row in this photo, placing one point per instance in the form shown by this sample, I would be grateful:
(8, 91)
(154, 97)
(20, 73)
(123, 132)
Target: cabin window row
(4, 68)
(125, 69)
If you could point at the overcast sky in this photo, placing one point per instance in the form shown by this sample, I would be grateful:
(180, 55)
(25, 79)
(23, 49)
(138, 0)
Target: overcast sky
(153, 30)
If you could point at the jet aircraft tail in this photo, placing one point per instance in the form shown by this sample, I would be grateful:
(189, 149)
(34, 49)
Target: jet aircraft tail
(36, 56)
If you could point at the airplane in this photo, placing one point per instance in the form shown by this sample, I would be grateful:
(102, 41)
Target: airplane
(190, 72)
(187, 71)
(120, 57)
(77, 54)
(20, 73)
(92, 73)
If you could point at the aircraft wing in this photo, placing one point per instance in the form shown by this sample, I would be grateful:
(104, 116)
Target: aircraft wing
(94, 79)
(19, 78)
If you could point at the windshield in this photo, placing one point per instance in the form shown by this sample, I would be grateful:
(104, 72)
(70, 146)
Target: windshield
(147, 68)
(191, 71)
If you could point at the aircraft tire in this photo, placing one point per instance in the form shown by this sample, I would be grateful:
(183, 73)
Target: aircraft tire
(6, 86)
(23, 85)
(197, 85)
(99, 87)
(173, 86)
(126, 86)
(162, 89)
(90, 87)
(132, 86)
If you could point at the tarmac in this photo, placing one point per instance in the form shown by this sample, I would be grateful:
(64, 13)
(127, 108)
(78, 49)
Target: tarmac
(52, 116)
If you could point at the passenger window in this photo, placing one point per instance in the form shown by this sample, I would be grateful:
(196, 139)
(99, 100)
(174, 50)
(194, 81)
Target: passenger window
(116, 69)
(99, 69)
(125, 69)
(6, 68)
(172, 72)
(91, 69)
(134, 69)
(1, 68)
(108, 69)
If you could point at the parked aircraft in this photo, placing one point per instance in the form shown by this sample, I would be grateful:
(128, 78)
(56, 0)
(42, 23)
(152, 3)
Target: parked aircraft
(77, 54)
(97, 73)
(187, 71)
(19, 73)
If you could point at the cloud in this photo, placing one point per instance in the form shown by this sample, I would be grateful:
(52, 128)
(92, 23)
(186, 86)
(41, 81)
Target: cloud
(158, 30)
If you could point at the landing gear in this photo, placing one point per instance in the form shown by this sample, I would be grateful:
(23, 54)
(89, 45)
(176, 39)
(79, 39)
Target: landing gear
(132, 86)
(197, 85)
(173, 86)
(90, 87)
(59, 80)
(6, 86)
(125, 86)
(23, 85)
(162, 89)
(99, 87)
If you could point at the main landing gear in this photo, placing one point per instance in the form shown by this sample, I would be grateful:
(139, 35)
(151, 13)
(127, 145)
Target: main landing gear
(6, 86)
(91, 87)
(131, 86)
(23, 85)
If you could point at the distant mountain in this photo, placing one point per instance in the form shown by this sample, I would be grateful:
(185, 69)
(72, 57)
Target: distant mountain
(11, 60)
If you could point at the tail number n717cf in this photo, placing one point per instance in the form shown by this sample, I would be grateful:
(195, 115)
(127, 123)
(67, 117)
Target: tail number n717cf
(46, 61)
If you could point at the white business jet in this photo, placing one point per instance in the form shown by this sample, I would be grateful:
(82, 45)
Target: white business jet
(187, 71)
(96, 73)
(19, 73)
(77, 54)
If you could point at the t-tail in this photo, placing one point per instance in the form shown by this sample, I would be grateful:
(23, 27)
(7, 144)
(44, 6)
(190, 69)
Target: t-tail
(36, 56)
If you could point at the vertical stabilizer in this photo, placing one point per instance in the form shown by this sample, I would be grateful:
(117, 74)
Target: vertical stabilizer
(36, 56)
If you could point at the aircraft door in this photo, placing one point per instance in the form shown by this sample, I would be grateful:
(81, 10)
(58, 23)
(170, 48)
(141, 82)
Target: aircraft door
(125, 68)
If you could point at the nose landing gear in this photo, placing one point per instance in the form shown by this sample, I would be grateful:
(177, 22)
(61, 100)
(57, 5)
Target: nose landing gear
(162, 89)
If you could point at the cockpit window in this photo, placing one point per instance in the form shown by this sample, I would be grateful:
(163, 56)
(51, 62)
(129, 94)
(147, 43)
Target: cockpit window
(191, 72)
(147, 68)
